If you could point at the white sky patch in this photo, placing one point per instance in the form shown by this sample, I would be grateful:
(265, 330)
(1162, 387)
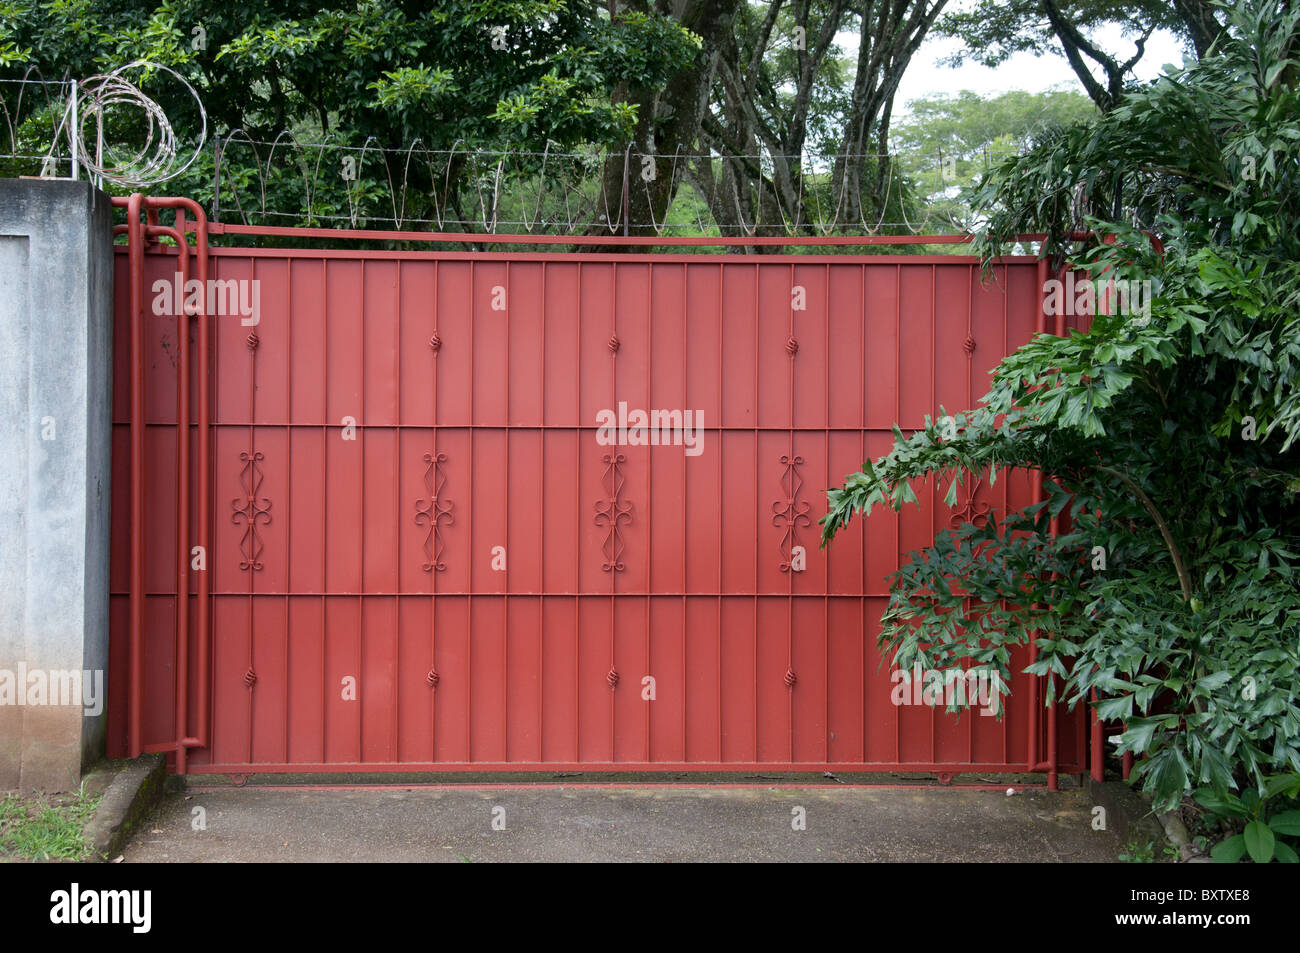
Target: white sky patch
(925, 78)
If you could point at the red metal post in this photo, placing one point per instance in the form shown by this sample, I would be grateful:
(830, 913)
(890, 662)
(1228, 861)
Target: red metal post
(1097, 749)
(203, 605)
(183, 554)
(136, 609)
(1052, 730)
(137, 236)
(1035, 715)
(182, 485)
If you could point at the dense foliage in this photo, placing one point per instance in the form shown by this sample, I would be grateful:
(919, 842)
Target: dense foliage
(496, 114)
(947, 142)
(1167, 439)
(516, 77)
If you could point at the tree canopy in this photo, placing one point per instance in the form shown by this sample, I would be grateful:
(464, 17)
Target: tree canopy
(332, 111)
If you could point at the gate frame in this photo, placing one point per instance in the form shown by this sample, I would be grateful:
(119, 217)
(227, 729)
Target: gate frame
(145, 235)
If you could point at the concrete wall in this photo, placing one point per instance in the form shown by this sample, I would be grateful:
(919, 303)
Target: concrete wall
(56, 340)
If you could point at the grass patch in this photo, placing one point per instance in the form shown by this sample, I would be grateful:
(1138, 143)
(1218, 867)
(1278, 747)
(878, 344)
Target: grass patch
(46, 827)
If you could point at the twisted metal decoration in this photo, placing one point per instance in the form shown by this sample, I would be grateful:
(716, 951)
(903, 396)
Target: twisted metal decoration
(613, 510)
(973, 510)
(434, 511)
(791, 512)
(250, 510)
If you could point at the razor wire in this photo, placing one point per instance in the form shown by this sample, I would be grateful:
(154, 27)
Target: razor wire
(157, 160)
(461, 189)
(79, 104)
(547, 190)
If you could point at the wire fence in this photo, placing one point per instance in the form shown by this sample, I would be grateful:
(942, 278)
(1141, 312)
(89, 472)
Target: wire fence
(68, 127)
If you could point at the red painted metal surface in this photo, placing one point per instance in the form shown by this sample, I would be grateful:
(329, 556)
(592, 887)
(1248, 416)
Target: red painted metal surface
(133, 318)
(423, 559)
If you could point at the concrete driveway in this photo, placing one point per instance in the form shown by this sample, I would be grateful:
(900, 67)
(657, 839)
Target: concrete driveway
(660, 823)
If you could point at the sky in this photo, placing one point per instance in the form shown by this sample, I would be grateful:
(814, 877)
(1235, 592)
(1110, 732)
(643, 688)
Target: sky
(1023, 71)
(924, 77)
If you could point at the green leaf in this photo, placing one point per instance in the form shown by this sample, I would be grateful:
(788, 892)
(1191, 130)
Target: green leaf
(1229, 851)
(1139, 733)
(1217, 680)
(1168, 775)
(1115, 709)
(1284, 853)
(1282, 783)
(1288, 823)
(1222, 806)
(1259, 842)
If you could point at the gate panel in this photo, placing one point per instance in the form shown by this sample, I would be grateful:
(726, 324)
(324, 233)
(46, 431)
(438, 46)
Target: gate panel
(424, 558)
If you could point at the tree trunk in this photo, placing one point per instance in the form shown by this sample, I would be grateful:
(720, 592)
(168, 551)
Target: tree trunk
(668, 121)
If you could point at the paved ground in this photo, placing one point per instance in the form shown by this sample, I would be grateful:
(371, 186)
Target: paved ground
(661, 823)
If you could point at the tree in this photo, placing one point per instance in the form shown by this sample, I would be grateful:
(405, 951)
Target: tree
(526, 112)
(516, 76)
(1167, 433)
(801, 133)
(669, 110)
(888, 38)
(992, 30)
(947, 142)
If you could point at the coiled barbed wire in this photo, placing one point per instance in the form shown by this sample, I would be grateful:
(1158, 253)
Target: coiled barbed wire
(156, 160)
(555, 190)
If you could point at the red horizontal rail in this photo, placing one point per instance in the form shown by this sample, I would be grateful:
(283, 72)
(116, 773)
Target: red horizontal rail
(374, 234)
(385, 254)
(778, 784)
(595, 767)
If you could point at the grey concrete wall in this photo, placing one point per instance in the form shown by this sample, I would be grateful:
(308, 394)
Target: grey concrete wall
(56, 314)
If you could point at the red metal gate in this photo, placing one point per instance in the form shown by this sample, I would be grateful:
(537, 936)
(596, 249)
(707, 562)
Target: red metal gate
(395, 512)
